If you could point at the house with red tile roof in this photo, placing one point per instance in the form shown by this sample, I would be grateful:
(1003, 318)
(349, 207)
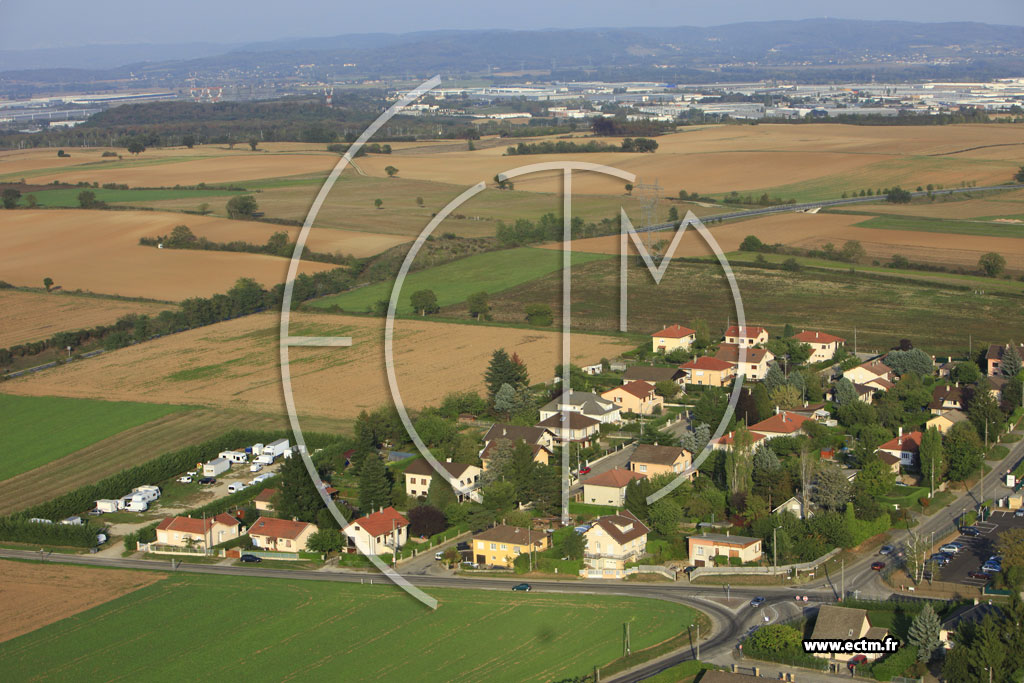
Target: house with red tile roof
(671, 338)
(748, 335)
(869, 372)
(708, 371)
(823, 345)
(905, 446)
(636, 397)
(783, 423)
(196, 532)
(609, 488)
(281, 535)
(380, 532)
(725, 441)
(755, 361)
(264, 500)
(611, 542)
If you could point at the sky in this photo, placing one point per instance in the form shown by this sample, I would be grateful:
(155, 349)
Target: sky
(67, 23)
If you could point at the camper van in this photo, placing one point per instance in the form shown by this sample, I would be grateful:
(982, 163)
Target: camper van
(237, 457)
(236, 487)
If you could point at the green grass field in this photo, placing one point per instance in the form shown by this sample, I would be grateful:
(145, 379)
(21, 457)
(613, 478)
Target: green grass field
(69, 197)
(229, 627)
(453, 282)
(941, 225)
(40, 429)
(937, 318)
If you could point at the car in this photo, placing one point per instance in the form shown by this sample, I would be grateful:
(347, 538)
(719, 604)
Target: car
(989, 569)
(997, 559)
(208, 481)
(970, 531)
(885, 550)
(191, 473)
(978, 575)
(1019, 513)
(939, 559)
(185, 480)
(757, 602)
(878, 566)
(856, 661)
(689, 569)
(95, 512)
(900, 483)
(255, 467)
(585, 470)
(250, 558)
(522, 587)
(439, 555)
(950, 549)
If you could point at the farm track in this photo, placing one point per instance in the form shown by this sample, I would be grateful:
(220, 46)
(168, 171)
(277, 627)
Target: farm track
(127, 449)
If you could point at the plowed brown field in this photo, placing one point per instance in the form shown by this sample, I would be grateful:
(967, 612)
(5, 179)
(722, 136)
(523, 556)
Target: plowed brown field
(32, 316)
(99, 251)
(35, 595)
(236, 364)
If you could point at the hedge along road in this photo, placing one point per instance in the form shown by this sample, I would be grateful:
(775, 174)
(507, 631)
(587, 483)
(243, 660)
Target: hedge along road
(784, 208)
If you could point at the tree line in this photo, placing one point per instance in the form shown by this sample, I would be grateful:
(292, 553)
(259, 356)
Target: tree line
(569, 147)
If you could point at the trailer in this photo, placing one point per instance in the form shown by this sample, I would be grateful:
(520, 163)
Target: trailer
(277, 448)
(137, 505)
(75, 520)
(107, 505)
(266, 459)
(215, 467)
(236, 457)
(148, 493)
(257, 449)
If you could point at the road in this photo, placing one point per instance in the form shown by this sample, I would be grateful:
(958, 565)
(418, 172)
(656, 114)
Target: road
(784, 208)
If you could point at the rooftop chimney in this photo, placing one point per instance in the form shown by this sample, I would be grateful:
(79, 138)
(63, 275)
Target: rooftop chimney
(901, 432)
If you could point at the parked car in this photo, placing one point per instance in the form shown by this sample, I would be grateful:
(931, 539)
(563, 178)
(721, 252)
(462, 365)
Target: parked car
(885, 550)
(236, 487)
(950, 549)
(757, 602)
(585, 470)
(255, 467)
(991, 568)
(998, 559)
(856, 661)
(970, 531)
(208, 481)
(1019, 513)
(878, 566)
(250, 558)
(439, 555)
(978, 575)
(522, 587)
(939, 559)
(185, 480)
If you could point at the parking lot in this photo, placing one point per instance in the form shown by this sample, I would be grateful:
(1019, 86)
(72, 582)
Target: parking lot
(977, 549)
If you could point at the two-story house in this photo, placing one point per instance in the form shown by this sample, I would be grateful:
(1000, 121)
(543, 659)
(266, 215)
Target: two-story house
(636, 397)
(755, 362)
(835, 623)
(465, 479)
(651, 460)
(748, 335)
(383, 531)
(671, 338)
(583, 403)
(499, 546)
(707, 371)
(905, 446)
(609, 488)
(823, 345)
(611, 542)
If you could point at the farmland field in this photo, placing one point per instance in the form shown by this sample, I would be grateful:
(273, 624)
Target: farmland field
(99, 251)
(36, 595)
(235, 364)
(68, 198)
(39, 429)
(454, 282)
(306, 630)
(935, 317)
(976, 228)
(33, 316)
(133, 446)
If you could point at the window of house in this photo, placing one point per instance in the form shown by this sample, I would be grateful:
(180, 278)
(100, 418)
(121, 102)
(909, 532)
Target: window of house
(287, 544)
(494, 546)
(504, 546)
(641, 468)
(700, 550)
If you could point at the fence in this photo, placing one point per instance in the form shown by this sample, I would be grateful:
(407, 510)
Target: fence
(763, 571)
(651, 569)
(165, 549)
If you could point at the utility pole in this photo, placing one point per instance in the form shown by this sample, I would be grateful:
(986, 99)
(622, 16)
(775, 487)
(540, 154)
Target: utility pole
(775, 547)
(842, 580)
(698, 641)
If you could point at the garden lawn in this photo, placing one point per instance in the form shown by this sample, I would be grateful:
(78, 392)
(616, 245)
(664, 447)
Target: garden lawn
(229, 627)
(39, 429)
(454, 282)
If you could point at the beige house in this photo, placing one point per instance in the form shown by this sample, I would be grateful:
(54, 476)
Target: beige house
(499, 546)
(381, 532)
(994, 357)
(708, 371)
(866, 373)
(608, 488)
(572, 427)
(904, 446)
(535, 436)
(465, 479)
(704, 548)
(636, 397)
(823, 345)
(794, 506)
(783, 423)
(754, 365)
(945, 421)
(845, 623)
(281, 535)
(748, 335)
(195, 532)
(611, 542)
(264, 500)
(671, 338)
(725, 442)
(651, 460)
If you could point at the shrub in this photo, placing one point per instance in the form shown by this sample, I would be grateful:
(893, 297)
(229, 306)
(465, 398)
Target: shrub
(20, 530)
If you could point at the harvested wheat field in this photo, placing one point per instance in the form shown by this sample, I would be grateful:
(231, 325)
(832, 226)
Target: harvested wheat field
(788, 228)
(989, 205)
(35, 595)
(99, 251)
(236, 364)
(32, 316)
(225, 167)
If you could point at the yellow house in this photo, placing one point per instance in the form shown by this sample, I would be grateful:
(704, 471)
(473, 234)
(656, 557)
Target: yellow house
(708, 371)
(823, 345)
(611, 542)
(419, 474)
(671, 338)
(195, 532)
(499, 546)
(748, 335)
(755, 362)
(845, 623)
(636, 397)
(945, 421)
(652, 460)
(869, 372)
(705, 547)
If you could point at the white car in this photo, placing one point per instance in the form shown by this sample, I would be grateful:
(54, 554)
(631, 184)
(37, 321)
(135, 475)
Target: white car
(191, 473)
(255, 467)
(185, 480)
